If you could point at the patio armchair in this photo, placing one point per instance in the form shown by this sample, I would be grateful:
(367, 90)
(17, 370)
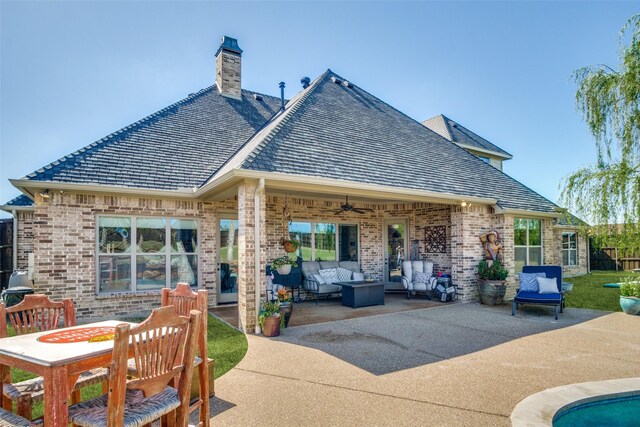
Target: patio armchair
(292, 280)
(164, 347)
(554, 299)
(9, 419)
(34, 314)
(409, 270)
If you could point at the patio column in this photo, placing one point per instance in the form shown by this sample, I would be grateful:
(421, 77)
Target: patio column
(467, 223)
(246, 253)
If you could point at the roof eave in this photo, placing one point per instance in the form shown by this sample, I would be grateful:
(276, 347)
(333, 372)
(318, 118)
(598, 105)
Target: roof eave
(526, 213)
(31, 187)
(482, 150)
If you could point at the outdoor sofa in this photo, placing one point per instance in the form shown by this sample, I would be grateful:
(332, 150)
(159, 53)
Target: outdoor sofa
(315, 284)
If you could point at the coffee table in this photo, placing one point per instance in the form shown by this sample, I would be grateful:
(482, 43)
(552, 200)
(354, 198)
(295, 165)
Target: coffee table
(362, 293)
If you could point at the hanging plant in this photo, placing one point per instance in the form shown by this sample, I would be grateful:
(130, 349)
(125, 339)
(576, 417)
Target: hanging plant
(289, 245)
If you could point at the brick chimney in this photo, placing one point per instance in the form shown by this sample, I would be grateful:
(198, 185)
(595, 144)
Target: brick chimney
(228, 60)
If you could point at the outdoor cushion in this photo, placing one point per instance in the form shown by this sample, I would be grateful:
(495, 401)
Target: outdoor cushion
(528, 282)
(318, 278)
(310, 268)
(330, 275)
(548, 286)
(344, 275)
(351, 265)
(329, 289)
(329, 264)
(358, 277)
(535, 297)
(419, 277)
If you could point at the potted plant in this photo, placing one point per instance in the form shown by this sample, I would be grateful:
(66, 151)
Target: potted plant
(283, 265)
(286, 304)
(270, 318)
(289, 245)
(493, 285)
(630, 297)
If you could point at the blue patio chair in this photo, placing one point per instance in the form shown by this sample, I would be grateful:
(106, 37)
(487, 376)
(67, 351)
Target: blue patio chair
(554, 299)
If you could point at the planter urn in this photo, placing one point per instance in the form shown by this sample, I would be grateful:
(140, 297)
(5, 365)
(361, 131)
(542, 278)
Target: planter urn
(283, 270)
(630, 305)
(271, 327)
(492, 291)
(286, 309)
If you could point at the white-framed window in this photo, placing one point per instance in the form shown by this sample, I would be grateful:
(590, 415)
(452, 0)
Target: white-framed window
(136, 253)
(325, 241)
(569, 248)
(527, 236)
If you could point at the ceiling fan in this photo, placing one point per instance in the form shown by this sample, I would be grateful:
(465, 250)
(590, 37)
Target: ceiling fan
(347, 207)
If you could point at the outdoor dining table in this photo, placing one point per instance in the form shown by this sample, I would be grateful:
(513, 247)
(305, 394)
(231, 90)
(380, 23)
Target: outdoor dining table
(59, 356)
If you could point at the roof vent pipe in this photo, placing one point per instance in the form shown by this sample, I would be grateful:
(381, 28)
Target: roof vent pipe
(306, 81)
(281, 96)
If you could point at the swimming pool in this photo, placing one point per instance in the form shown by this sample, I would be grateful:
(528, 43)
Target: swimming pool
(615, 411)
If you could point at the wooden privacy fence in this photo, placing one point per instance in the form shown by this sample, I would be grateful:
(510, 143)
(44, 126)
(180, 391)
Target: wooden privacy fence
(611, 259)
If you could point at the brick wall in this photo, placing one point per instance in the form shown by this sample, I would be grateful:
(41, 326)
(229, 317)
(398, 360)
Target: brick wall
(25, 238)
(64, 232)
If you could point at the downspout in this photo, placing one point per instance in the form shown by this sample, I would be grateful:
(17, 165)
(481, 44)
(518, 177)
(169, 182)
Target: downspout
(15, 239)
(257, 202)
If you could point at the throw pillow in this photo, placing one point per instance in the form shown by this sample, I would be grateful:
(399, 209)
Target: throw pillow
(318, 278)
(419, 277)
(358, 277)
(344, 275)
(548, 285)
(528, 282)
(329, 275)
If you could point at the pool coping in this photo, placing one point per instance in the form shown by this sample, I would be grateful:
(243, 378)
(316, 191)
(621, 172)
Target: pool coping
(540, 408)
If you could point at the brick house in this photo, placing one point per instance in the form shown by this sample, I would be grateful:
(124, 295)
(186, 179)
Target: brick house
(196, 192)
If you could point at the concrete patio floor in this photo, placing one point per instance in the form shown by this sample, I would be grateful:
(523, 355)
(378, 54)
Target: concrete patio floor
(453, 365)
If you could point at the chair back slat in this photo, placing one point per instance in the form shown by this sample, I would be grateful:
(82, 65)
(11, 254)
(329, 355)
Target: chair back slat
(163, 350)
(37, 313)
(184, 299)
(158, 348)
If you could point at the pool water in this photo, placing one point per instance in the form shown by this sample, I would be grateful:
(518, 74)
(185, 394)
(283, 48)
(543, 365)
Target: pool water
(611, 412)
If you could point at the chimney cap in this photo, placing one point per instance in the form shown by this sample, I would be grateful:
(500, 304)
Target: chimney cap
(229, 44)
(305, 82)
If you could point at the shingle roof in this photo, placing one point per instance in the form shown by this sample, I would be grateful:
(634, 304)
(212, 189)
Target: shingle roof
(344, 132)
(457, 133)
(177, 147)
(20, 201)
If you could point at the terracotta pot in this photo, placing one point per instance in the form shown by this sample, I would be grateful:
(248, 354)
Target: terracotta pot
(286, 308)
(492, 291)
(289, 247)
(271, 327)
(284, 270)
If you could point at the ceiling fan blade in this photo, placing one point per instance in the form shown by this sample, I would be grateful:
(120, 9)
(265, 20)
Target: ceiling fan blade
(365, 209)
(356, 210)
(338, 212)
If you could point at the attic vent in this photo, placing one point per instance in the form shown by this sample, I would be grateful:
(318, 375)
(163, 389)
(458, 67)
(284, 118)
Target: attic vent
(336, 80)
(347, 84)
(257, 97)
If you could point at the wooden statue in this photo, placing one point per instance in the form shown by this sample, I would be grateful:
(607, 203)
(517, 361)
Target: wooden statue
(492, 246)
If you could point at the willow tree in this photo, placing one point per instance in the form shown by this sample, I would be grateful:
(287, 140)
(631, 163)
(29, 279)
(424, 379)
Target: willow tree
(608, 192)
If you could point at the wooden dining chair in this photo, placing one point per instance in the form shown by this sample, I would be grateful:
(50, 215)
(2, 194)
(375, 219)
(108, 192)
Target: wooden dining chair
(163, 348)
(184, 299)
(38, 313)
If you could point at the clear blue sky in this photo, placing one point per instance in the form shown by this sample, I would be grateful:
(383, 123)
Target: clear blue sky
(73, 72)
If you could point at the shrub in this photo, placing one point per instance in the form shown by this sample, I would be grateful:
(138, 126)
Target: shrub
(495, 271)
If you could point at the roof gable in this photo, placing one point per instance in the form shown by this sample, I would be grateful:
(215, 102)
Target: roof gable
(456, 133)
(342, 132)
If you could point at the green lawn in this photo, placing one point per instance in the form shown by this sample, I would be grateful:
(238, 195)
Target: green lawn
(589, 293)
(226, 346)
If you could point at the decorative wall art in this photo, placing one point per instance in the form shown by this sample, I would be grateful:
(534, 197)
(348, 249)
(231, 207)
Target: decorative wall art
(435, 239)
